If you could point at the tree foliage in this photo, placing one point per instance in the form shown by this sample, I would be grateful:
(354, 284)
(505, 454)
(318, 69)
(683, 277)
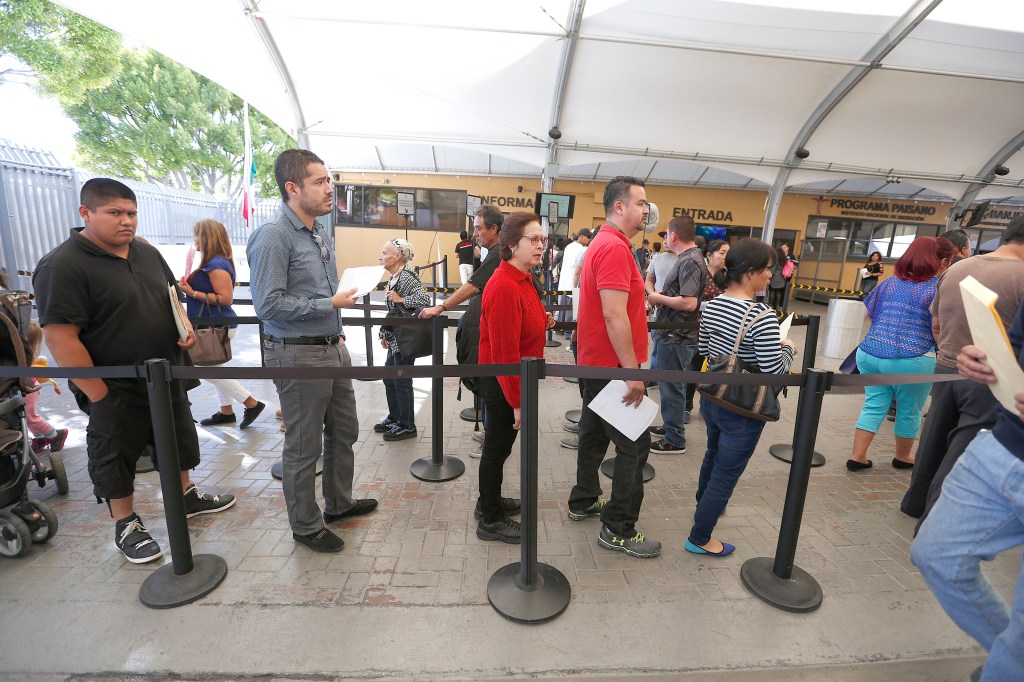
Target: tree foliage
(140, 115)
(67, 53)
(159, 121)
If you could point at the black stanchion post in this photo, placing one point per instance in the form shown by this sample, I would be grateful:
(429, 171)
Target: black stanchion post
(551, 343)
(529, 591)
(784, 451)
(439, 467)
(187, 578)
(779, 581)
(367, 329)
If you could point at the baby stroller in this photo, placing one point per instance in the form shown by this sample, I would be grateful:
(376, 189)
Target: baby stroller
(22, 521)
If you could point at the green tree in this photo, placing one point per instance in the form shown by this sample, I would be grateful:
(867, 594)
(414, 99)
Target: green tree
(159, 121)
(66, 53)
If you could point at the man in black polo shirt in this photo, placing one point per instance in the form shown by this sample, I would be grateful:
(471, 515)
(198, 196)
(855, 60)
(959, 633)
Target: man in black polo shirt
(102, 300)
(466, 251)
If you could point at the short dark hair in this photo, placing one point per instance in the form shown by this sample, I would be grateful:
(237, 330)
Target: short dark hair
(714, 246)
(683, 227)
(746, 255)
(463, 235)
(701, 243)
(584, 233)
(99, 191)
(491, 215)
(291, 165)
(512, 231)
(959, 238)
(618, 189)
(1014, 232)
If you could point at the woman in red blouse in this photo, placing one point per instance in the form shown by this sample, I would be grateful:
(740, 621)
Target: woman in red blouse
(512, 326)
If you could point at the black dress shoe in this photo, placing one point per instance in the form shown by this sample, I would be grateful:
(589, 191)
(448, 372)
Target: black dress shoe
(322, 540)
(509, 505)
(384, 425)
(400, 433)
(900, 464)
(362, 507)
(219, 418)
(249, 414)
(854, 465)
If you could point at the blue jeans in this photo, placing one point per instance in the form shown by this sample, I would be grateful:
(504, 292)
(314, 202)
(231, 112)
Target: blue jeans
(909, 397)
(980, 514)
(675, 356)
(732, 439)
(399, 392)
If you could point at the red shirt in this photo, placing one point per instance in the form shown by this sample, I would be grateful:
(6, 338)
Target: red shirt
(512, 323)
(609, 264)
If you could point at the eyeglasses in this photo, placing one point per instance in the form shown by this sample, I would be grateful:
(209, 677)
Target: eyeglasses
(537, 239)
(324, 251)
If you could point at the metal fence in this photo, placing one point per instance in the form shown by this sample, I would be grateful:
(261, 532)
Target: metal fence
(39, 205)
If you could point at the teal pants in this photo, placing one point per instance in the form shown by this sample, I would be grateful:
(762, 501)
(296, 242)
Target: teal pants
(909, 397)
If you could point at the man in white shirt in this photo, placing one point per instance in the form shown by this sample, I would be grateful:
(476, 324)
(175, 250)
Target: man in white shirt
(572, 265)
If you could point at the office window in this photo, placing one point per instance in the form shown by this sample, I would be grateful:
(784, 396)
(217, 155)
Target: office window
(374, 206)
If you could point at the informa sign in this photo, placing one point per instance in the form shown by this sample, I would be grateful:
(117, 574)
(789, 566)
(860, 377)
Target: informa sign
(473, 203)
(406, 203)
(822, 229)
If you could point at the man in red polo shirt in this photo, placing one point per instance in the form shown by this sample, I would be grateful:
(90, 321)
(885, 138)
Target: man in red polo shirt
(612, 332)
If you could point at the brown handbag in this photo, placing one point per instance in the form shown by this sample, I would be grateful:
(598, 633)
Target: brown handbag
(213, 345)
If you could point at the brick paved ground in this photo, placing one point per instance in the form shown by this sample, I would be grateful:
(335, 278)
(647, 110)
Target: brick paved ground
(419, 550)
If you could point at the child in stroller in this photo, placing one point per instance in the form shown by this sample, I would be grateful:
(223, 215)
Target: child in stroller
(22, 521)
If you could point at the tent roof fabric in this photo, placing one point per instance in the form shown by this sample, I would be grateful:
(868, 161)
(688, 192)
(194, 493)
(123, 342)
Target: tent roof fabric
(687, 92)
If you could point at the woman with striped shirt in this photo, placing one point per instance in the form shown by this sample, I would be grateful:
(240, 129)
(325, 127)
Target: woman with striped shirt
(404, 289)
(732, 438)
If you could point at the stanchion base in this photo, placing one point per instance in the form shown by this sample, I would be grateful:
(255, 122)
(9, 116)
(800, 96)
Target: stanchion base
(572, 380)
(552, 344)
(799, 594)
(164, 590)
(574, 416)
(541, 602)
(277, 471)
(470, 414)
(449, 468)
(608, 469)
(784, 452)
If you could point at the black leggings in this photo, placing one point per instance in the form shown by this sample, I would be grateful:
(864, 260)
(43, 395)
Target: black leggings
(499, 437)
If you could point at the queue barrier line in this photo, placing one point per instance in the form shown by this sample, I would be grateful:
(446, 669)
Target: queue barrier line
(830, 290)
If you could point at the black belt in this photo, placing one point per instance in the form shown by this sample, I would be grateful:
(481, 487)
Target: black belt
(305, 340)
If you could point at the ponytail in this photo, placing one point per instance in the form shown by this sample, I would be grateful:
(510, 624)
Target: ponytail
(721, 279)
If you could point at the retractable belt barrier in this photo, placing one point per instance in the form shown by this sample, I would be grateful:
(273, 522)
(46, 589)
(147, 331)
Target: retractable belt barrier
(830, 290)
(527, 592)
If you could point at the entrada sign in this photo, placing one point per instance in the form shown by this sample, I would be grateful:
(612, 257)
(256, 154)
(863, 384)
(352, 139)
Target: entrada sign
(704, 214)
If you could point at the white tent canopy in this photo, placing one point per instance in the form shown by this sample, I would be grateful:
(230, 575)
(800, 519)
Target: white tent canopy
(919, 99)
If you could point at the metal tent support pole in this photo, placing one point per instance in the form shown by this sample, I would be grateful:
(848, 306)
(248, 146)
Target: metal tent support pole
(779, 581)
(529, 591)
(784, 451)
(187, 578)
(439, 467)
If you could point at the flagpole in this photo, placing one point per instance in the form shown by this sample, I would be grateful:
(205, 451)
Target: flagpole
(247, 162)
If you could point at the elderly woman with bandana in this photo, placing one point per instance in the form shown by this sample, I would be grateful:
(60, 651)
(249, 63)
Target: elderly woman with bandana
(404, 289)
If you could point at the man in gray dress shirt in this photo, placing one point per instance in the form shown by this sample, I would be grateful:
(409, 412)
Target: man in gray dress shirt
(294, 278)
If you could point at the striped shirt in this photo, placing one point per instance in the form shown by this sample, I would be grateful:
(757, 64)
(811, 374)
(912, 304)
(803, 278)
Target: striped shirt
(762, 346)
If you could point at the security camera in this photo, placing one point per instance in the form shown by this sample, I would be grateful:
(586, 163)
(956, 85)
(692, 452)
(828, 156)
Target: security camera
(801, 153)
(1001, 170)
(555, 133)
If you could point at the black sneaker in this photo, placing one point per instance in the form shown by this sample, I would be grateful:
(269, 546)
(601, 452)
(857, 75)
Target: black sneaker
(657, 430)
(400, 432)
(571, 428)
(322, 540)
(509, 505)
(218, 418)
(134, 541)
(384, 425)
(507, 530)
(364, 506)
(637, 546)
(249, 414)
(663, 447)
(197, 503)
(591, 512)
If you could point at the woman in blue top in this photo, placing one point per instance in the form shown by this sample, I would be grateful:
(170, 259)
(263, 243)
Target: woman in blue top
(209, 292)
(900, 341)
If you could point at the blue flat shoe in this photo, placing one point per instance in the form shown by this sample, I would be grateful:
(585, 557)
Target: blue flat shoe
(727, 549)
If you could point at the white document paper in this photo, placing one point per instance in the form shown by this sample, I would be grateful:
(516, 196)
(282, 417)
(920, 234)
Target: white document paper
(988, 334)
(630, 421)
(363, 279)
(784, 327)
(176, 311)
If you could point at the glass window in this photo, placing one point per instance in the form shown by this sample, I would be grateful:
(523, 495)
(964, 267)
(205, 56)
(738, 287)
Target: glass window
(372, 206)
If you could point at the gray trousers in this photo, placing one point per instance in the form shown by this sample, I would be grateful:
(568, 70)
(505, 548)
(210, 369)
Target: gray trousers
(321, 418)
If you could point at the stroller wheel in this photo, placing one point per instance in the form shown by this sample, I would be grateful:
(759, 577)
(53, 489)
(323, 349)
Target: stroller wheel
(15, 538)
(47, 524)
(59, 474)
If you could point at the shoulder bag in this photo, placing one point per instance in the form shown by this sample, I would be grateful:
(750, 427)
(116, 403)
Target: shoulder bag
(754, 402)
(213, 345)
(412, 341)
